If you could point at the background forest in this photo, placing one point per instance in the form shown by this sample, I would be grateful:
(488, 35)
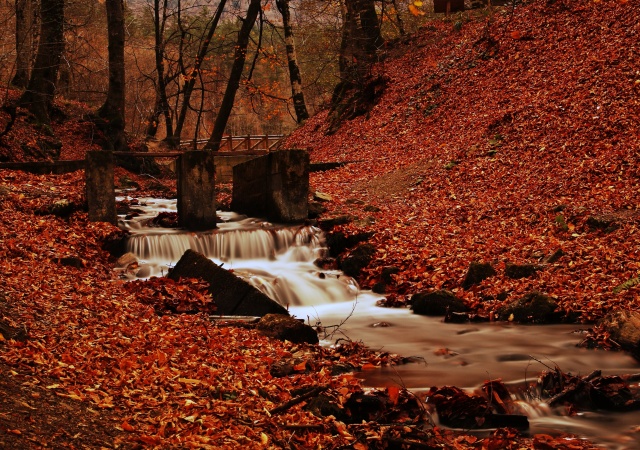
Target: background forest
(185, 61)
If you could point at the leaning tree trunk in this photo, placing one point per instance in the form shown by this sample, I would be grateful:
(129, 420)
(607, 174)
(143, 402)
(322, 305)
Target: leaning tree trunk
(160, 20)
(24, 42)
(112, 111)
(195, 72)
(234, 78)
(297, 94)
(38, 97)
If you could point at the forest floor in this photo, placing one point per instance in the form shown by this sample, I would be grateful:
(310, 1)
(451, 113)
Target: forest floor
(499, 139)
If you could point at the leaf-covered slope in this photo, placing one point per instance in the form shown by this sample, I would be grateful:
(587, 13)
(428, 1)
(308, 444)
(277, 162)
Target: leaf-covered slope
(497, 143)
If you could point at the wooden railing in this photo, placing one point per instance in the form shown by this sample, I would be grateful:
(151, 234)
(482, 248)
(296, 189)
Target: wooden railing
(265, 142)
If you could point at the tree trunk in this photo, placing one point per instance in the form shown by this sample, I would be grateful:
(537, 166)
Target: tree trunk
(234, 78)
(160, 19)
(38, 97)
(195, 72)
(297, 94)
(361, 40)
(24, 42)
(112, 111)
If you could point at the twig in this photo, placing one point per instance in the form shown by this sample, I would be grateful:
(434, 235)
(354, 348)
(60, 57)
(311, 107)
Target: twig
(294, 401)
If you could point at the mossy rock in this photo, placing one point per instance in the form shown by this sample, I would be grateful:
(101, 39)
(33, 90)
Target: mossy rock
(476, 273)
(534, 307)
(517, 271)
(359, 258)
(437, 303)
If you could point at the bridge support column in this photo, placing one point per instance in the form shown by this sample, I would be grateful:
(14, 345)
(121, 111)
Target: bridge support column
(196, 190)
(275, 186)
(100, 189)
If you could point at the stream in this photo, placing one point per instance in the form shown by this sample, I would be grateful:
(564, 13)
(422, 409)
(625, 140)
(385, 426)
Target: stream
(279, 261)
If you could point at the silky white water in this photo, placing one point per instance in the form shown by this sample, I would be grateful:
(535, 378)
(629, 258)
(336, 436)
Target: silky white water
(279, 261)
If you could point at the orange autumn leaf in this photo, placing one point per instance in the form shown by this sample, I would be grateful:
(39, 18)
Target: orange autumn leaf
(126, 426)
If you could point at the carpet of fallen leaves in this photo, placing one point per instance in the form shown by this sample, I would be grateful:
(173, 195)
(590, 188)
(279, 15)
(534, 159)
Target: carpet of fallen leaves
(89, 361)
(497, 143)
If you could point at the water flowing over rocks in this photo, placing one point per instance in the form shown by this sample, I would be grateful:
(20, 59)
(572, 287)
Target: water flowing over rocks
(232, 295)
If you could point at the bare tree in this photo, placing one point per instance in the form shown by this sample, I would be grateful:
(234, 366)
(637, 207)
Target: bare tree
(233, 84)
(297, 94)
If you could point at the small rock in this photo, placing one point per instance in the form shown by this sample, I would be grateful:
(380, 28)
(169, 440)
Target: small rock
(330, 222)
(371, 208)
(555, 256)
(322, 197)
(126, 260)
(287, 328)
(534, 307)
(71, 261)
(357, 260)
(144, 271)
(477, 272)
(436, 303)
(517, 271)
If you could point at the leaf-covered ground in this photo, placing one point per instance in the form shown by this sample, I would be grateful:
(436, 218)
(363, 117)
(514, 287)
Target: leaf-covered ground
(498, 143)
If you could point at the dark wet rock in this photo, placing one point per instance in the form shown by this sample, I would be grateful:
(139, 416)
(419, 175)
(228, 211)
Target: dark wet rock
(326, 263)
(366, 407)
(379, 288)
(287, 328)
(436, 303)
(388, 272)
(476, 273)
(517, 271)
(371, 208)
(116, 243)
(70, 261)
(340, 368)
(338, 242)
(324, 406)
(61, 208)
(316, 209)
(457, 317)
(232, 295)
(624, 328)
(281, 368)
(606, 222)
(534, 307)
(387, 279)
(357, 260)
(165, 219)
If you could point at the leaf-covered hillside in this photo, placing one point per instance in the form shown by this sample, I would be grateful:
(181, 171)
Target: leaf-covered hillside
(501, 140)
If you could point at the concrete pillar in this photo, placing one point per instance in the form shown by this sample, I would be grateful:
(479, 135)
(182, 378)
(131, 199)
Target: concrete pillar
(196, 190)
(288, 186)
(275, 186)
(100, 189)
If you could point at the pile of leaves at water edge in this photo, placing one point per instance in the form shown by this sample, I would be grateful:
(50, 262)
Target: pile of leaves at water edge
(503, 140)
(136, 378)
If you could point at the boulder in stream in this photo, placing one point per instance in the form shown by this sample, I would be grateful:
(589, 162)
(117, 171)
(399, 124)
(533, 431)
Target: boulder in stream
(287, 328)
(232, 295)
(359, 258)
(436, 303)
(534, 307)
(624, 328)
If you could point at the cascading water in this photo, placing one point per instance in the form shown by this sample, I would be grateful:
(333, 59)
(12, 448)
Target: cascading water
(279, 261)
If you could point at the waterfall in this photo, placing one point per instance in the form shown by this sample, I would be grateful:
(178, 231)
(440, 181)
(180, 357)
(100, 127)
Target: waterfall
(278, 260)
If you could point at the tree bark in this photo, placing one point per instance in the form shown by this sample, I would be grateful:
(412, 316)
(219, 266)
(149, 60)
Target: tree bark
(234, 79)
(38, 97)
(113, 109)
(160, 19)
(24, 42)
(299, 105)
